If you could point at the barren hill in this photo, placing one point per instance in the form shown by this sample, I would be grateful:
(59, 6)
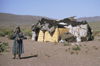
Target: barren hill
(25, 21)
(11, 20)
(89, 19)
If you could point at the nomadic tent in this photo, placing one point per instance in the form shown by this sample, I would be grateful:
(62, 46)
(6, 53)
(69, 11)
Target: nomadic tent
(51, 30)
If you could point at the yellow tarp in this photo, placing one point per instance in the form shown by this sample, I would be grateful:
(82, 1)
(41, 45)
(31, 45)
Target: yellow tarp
(54, 37)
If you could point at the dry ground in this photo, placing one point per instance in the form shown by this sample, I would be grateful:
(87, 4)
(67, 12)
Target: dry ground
(52, 54)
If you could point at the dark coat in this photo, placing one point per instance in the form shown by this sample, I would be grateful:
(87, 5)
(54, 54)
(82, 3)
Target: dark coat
(18, 44)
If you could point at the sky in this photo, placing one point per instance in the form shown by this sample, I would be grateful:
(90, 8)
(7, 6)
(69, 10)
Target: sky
(57, 9)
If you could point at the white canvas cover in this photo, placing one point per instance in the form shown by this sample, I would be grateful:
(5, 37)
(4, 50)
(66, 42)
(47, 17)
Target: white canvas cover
(33, 35)
(78, 31)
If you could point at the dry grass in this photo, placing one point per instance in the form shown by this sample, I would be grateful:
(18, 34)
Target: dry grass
(71, 52)
(95, 25)
(3, 47)
(76, 48)
(68, 44)
(9, 32)
(96, 28)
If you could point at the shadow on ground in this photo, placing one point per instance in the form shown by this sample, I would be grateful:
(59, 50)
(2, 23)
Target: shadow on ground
(29, 57)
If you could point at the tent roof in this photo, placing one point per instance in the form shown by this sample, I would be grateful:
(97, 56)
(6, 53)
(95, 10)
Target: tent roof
(55, 23)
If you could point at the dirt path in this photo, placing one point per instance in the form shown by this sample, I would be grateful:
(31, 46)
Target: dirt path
(51, 54)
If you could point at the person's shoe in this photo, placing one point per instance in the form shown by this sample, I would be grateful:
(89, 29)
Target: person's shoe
(14, 58)
(18, 58)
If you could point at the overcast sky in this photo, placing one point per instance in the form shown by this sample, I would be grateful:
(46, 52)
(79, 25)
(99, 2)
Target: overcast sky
(57, 9)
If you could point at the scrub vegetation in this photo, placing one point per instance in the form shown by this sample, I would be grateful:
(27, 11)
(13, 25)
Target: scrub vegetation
(9, 33)
(3, 46)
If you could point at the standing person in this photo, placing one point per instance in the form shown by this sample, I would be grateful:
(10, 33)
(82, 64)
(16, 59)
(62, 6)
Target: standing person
(18, 43)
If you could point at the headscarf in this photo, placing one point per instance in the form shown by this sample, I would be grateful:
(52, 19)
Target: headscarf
(18, 28)
(19, 32)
